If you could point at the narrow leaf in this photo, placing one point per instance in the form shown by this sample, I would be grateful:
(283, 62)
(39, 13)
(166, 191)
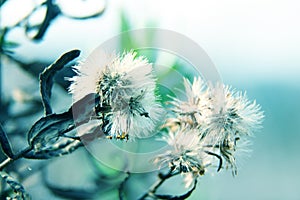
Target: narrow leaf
(53, 127)
(50, 127)
(46, 77)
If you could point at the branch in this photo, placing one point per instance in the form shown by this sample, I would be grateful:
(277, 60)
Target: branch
(51, 152)
(16, 157)
(51, 127)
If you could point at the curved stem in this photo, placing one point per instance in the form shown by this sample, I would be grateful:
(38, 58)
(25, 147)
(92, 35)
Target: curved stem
(217, 156)
(180, 197)
(158, 183)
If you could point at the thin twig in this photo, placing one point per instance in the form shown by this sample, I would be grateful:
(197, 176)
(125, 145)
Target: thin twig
(158, 183)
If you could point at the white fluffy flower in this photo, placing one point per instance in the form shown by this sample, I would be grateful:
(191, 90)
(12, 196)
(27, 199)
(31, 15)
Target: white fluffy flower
(126, 86)
(186, 152)
(232, 114)
(194, 109)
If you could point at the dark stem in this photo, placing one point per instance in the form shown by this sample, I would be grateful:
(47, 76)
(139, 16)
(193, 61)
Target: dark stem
(158, 183)
(217, 156)
(19, 155)
(52, 12)
(121, 187)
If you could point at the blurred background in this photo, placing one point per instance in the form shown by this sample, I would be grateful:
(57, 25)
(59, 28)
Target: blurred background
(255, 45)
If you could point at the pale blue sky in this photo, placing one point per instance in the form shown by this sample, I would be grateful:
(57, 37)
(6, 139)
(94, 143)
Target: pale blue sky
(255, 39)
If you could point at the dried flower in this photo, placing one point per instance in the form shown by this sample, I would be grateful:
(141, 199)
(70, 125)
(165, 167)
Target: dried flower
(209, 123)
(232, 114)
(126, 87)
(232, 118)
(186, 152)
(194, 109)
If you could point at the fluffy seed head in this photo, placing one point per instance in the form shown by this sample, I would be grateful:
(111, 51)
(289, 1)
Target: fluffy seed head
(126, 87)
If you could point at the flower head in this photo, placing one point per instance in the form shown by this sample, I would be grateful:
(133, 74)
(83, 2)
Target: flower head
(186, 152)
(126, 87)
(232, 114)
(193, 110)
(209, 124)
